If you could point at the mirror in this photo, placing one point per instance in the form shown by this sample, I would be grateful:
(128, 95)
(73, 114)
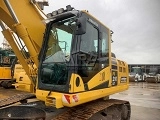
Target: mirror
(81, 26)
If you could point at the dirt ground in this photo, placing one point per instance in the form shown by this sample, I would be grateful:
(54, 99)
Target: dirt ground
(144, 99)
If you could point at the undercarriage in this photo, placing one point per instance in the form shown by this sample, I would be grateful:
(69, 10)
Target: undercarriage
(100, 109)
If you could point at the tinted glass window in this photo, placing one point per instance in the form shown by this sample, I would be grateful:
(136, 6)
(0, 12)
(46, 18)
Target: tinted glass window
(89, 41)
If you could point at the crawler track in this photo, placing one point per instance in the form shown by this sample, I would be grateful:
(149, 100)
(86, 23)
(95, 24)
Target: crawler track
(96, 110)
(15, 98)
(86, 111)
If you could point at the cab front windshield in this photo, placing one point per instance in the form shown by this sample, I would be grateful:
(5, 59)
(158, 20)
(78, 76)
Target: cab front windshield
(57, 55)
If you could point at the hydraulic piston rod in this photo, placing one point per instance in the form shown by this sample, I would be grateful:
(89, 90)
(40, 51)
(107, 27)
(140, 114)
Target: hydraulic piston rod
(8, 5)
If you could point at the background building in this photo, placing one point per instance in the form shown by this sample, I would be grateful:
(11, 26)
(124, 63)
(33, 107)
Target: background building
(146, 68)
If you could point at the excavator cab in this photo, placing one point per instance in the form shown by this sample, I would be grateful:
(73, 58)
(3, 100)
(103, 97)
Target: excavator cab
(72, 45)
(75, 65)
(75, 60)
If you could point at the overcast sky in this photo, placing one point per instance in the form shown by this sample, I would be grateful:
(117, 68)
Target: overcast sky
(136, 26)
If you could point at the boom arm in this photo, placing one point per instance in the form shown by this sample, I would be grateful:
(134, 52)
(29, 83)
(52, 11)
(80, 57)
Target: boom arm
(23, 17)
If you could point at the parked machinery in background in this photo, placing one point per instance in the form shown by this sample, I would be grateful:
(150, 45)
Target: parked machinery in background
(7, 63)
(154, 75)
(137, 75)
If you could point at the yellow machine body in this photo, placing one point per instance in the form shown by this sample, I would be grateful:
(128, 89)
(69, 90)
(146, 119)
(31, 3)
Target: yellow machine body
(22, 80)
(5, 73)
(50, 79)
(7, 59)
(110, 78)
(78, 95)
(29, 28)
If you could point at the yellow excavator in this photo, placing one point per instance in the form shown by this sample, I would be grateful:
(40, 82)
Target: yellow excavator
(69, 64)
(7, 62)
